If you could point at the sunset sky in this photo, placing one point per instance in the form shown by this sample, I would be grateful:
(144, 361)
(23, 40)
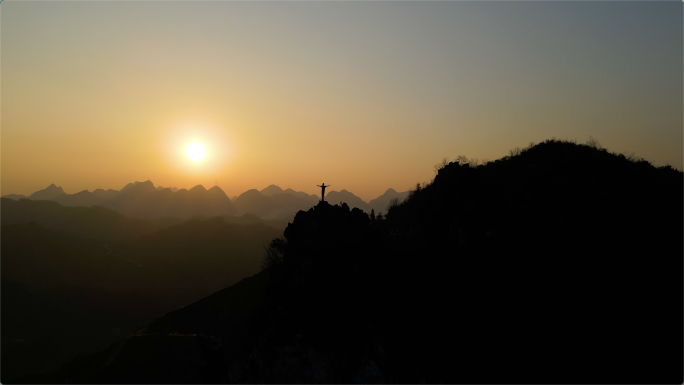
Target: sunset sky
(360, 95)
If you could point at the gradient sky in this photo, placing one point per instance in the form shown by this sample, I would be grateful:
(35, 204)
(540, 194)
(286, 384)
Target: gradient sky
(360, 95)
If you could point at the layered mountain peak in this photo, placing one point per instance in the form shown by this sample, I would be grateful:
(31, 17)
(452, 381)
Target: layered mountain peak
(128, 186)
(347, 197)
(250, 192)
(174, 189)
(216, 189)
(300, 194)
(271, 190)
(144, 199)
(197, 188)
(140, 186)
(49, 192)
(381, 203)
(252, 201)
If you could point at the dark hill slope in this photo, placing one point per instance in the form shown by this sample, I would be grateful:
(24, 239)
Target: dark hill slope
(561, 249)
(199, 256)
(558, 265)
(63, 294)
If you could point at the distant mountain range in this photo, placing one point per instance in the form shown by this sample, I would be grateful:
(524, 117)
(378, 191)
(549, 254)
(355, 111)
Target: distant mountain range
(144, 200)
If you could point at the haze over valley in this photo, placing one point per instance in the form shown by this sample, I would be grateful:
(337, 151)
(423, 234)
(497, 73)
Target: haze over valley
(95, 266)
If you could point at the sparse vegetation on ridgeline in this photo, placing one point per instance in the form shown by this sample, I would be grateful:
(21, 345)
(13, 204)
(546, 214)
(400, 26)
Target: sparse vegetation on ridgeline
(273, 253)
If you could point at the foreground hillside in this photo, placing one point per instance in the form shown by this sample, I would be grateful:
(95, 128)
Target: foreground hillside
(560, 264)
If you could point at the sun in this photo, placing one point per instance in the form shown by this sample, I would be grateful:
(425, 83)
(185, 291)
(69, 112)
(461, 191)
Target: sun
(196, 152)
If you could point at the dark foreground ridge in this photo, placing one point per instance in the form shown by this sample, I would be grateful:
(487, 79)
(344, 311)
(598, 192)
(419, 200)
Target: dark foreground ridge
(562, 264)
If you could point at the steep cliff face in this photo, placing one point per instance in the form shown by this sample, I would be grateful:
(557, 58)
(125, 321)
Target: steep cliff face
(561, 264)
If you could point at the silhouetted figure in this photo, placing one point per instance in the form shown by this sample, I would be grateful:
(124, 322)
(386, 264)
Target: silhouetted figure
(323, 186)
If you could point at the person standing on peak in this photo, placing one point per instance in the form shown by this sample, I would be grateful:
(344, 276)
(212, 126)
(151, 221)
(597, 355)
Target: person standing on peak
(323, 186)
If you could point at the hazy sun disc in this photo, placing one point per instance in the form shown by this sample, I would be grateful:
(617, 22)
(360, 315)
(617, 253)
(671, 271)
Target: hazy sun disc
(196, 152)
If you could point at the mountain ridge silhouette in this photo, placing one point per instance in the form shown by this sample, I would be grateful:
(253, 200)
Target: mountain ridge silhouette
(558, 264)
(144, 200)
(49, 192)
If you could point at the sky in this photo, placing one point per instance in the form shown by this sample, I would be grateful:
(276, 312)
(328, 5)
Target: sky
(363, 96)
